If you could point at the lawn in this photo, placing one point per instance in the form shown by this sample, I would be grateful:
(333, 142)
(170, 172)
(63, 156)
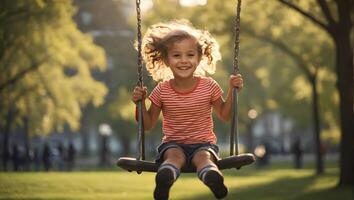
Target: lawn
(275, 183)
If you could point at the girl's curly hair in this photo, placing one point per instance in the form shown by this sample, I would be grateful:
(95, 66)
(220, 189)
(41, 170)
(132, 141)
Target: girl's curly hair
(160, 36)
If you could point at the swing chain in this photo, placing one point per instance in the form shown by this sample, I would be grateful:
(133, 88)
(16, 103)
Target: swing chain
(234, 125)
(140, 60)
(141, 135)
(237, 37)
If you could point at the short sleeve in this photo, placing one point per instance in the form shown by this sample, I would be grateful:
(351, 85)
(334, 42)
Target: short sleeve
(155, 96)
(215, 89)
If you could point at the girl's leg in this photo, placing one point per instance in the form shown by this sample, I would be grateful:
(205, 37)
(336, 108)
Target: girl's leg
(209, 173)
(174, 156)
(168, 172)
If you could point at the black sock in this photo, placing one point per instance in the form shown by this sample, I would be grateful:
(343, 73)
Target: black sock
(204, 170)
(165, 177)
(212, 177)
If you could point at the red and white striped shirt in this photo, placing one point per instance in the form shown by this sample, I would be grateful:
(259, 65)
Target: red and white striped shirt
(187, 117)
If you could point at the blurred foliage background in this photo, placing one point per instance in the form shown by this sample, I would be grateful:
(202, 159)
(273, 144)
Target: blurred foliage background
(67, 67)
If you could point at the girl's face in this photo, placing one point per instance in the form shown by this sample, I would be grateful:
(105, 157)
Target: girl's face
(183, 58)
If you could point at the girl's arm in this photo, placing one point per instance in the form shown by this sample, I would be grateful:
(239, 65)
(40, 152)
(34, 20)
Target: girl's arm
(150, 114)
(223, 107)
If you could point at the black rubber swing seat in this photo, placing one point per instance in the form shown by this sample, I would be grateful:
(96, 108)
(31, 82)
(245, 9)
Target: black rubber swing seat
(236, 161)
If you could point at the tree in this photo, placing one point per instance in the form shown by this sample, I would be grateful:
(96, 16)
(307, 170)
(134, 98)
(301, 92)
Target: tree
(45, 65)
(283, 34)
(336, 18)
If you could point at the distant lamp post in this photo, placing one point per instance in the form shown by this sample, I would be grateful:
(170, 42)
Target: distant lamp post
(252, 114)
(105, 131)
(260, 151)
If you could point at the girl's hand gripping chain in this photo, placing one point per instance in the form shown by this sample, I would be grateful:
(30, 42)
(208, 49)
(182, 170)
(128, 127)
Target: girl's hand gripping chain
(236, 81)
(139, 93)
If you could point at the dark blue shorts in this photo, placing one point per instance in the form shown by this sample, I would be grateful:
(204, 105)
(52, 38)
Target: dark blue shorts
(189, 150)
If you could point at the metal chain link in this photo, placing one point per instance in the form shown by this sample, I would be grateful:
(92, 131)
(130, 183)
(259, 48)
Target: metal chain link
(234, 124)
(140, 60)
(237, 37)
(141, 134)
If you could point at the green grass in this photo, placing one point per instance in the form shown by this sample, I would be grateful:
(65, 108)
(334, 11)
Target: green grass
(276, 183)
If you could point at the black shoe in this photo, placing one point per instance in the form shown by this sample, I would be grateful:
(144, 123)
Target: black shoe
(164, 180)
(215, 181)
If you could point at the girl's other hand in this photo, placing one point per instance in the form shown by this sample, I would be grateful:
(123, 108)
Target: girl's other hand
(139, 93)
(236, 81)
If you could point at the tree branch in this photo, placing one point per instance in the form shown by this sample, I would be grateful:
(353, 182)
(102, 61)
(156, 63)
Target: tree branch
(304, 13)
(10, 51)
(20, 75)
(326, 12)
(297, 58)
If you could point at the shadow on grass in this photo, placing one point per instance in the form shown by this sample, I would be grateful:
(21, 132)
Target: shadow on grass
(287, 188)
(330, 194)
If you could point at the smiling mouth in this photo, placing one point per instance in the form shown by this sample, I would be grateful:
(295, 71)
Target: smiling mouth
(183, 68)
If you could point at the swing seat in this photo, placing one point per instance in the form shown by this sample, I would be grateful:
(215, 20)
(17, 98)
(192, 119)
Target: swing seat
(236, 161)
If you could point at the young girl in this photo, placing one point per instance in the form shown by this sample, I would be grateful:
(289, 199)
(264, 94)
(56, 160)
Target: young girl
(180, 56)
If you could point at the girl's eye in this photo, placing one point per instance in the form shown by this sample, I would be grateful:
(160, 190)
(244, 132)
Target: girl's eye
(190, 55)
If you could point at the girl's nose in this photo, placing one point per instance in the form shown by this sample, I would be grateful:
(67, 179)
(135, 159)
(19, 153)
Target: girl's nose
(184, 59)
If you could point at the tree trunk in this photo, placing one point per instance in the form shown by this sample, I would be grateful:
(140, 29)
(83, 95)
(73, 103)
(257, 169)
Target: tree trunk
(315, 111)
(5, 147)
(84, 129)
(344, 63)
(27, 159)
